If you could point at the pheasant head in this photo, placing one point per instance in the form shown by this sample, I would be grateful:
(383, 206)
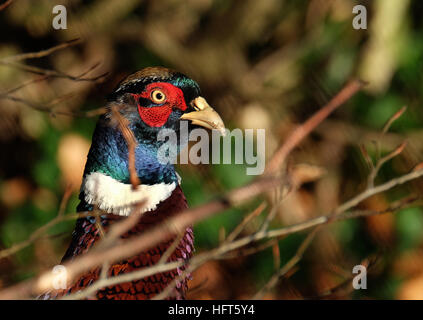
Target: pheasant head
(150, 100)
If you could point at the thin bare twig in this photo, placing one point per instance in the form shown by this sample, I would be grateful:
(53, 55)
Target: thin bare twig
(303, 130)
(375, 170)
(366, 156)
(40, 232)
(242, 252)
(127, 277)
(276, 255)
(65, 200)
(171, 249)
(47, 107)
(25, 84)
(131, 143)
(42, 53)
(345, 286)
(392, 119)
(238, 229)
(5, 5)
(53, 112)
(52, 73)
(288, 266)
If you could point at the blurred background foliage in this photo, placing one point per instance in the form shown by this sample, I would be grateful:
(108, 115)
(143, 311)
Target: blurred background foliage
(262, 64)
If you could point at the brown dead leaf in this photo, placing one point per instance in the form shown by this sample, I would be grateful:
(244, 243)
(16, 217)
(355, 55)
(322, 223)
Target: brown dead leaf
(71, 158)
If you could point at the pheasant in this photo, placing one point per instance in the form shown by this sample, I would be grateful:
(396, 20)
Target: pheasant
(150, 100)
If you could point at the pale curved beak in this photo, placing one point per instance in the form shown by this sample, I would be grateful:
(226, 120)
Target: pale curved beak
(205, 116)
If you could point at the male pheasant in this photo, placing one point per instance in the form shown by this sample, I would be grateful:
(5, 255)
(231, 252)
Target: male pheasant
(150, 100)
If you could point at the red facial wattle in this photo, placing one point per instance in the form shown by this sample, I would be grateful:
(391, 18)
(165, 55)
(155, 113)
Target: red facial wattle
(157, 116)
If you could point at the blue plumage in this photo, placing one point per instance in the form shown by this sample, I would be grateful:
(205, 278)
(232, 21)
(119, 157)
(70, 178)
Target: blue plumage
(109, 155)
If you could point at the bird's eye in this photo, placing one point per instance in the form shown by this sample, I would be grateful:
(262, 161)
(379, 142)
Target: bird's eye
(158, 96)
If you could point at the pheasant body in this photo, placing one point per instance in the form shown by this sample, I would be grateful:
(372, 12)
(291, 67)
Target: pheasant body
(86, 234)
(149, 100)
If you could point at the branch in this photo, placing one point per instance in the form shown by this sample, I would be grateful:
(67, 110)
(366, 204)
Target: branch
(288, 266)
(238, 229)
(5, 4)
(375, 169)
(303, 130)
(52, 73)
(381, 161)
(42, 53)
(41, 231)
(131, 143)
(51, 111)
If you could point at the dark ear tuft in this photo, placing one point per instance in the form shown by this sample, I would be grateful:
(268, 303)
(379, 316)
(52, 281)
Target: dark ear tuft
(137, 81)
